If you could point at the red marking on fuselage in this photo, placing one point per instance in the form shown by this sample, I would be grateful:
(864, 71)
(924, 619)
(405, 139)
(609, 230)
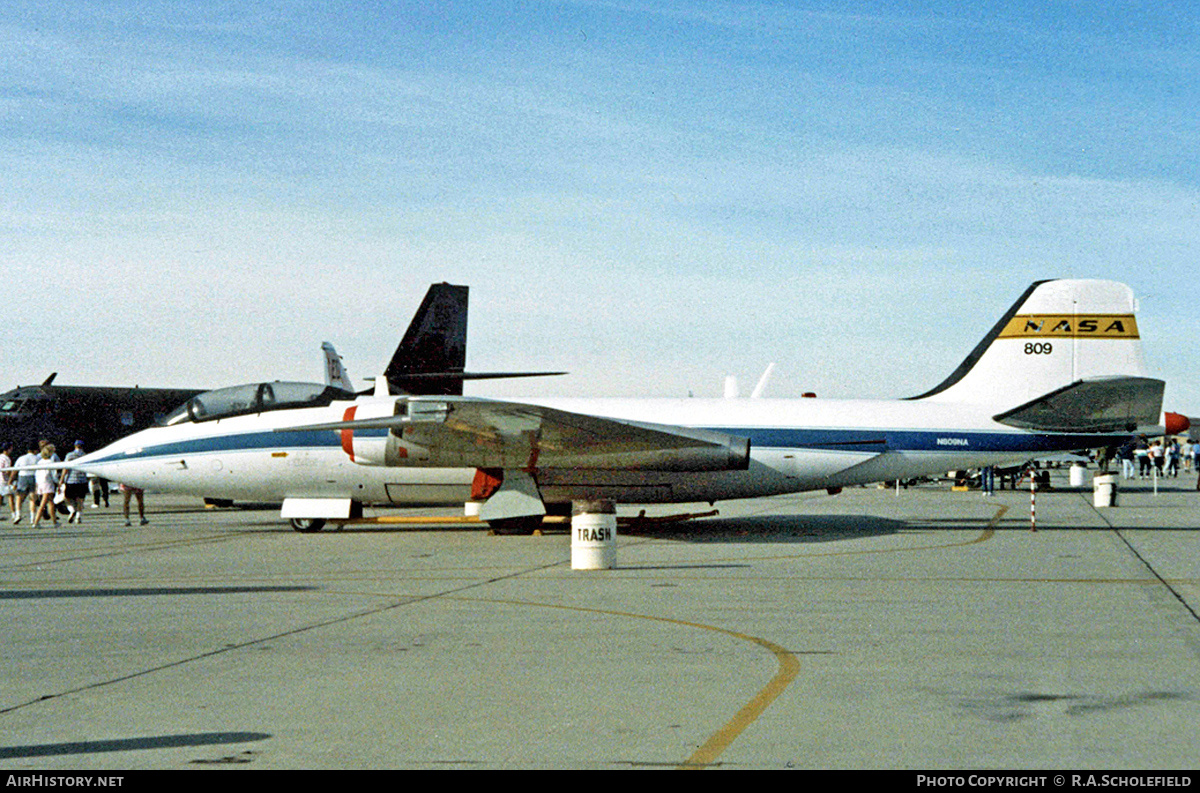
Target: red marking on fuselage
(487, 481)
(348, 434)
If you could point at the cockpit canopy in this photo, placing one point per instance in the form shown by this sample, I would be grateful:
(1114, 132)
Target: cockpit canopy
(23, 403)
(12, 407)
(240, 400)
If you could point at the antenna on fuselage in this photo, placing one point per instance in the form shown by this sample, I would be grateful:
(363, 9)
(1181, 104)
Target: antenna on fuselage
(762, 382)
(732, 391)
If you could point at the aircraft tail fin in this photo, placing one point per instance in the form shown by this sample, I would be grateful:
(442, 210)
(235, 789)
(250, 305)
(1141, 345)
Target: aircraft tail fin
(1067, 352)
(432, 357)
(434, 348)
(335, 371)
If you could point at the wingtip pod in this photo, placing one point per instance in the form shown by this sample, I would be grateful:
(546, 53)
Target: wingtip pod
(1176, 423)
(1058, 333)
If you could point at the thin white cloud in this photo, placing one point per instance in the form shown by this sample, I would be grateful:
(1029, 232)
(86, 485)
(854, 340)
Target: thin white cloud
(652, 206)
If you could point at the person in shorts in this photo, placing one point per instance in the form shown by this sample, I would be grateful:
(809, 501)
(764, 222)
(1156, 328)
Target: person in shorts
(76, 486)
(7, 478)
(47, 485)
(26, 483)
(127, 492)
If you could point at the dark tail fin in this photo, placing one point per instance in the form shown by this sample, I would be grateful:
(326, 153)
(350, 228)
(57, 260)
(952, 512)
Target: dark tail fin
(434, 344)
(432, 355)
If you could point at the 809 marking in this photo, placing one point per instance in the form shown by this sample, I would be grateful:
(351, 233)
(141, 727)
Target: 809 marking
(1039, 348)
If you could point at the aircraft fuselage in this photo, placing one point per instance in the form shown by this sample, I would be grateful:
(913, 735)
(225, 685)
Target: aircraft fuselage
(796, 445)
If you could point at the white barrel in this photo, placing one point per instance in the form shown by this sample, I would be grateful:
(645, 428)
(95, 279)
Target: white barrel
(1078, 475)
(593, 535)
(1104, 491)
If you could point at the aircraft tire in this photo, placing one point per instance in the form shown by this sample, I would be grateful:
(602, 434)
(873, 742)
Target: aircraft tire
(308, 525)
(527, 524)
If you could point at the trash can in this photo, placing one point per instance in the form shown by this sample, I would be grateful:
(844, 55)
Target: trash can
(593, 535)
(1078, 475)
(1104, 491)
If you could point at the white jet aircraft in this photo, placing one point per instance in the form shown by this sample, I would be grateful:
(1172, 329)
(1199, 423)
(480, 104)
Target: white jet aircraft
(1061, 370)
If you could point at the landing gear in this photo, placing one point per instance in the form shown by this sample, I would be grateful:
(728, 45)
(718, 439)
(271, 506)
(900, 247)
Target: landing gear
(308, 525)
(526, 524)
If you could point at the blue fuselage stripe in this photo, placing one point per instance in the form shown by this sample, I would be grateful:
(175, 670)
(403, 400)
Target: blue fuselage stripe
(820, 439)
(879, 441)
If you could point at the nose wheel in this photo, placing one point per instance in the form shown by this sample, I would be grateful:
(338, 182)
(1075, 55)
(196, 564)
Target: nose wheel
(308, 525)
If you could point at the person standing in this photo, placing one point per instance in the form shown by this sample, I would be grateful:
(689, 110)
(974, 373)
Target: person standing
(47, 484)
(134, 492)
(1141, 452)
(8, 479)
(26, 482)
(1196, 462)
(1173, 455)
(1126, 455)
(77, 486)
(99, 490)
(1155, 454)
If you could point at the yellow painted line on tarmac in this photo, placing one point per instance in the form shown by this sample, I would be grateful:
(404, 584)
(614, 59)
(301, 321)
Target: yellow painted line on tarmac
(413, 520)
(789, 667)
(719, 741)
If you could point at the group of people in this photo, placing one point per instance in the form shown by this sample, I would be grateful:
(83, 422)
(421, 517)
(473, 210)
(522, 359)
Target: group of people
(44, 489)
(1145, 458)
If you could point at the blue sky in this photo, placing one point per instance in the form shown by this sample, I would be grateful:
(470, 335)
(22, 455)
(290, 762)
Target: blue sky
(650, 195)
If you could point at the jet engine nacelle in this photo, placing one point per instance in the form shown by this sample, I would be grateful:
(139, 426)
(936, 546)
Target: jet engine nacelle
(366, 446)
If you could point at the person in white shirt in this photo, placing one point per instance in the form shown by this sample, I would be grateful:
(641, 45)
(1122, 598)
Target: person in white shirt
(26, 485)
(47, 483)
(7, 490)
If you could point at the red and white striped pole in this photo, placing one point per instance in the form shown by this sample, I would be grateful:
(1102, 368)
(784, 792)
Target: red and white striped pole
(1032, 500)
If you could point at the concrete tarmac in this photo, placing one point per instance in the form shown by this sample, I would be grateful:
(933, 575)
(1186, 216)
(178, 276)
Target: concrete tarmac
(923, 629)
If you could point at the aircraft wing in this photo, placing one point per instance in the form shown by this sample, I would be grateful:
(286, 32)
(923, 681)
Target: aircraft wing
(483, 433)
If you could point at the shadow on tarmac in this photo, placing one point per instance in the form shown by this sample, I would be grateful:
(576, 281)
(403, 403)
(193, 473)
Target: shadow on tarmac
(770, 529)
(130, 744)
(107, 592)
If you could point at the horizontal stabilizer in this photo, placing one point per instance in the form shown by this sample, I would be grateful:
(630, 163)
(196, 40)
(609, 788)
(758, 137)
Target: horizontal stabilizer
(1109, 404)
(451, 377)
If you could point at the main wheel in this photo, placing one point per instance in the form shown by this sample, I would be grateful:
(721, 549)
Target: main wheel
(308, 525)
(526, 524)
